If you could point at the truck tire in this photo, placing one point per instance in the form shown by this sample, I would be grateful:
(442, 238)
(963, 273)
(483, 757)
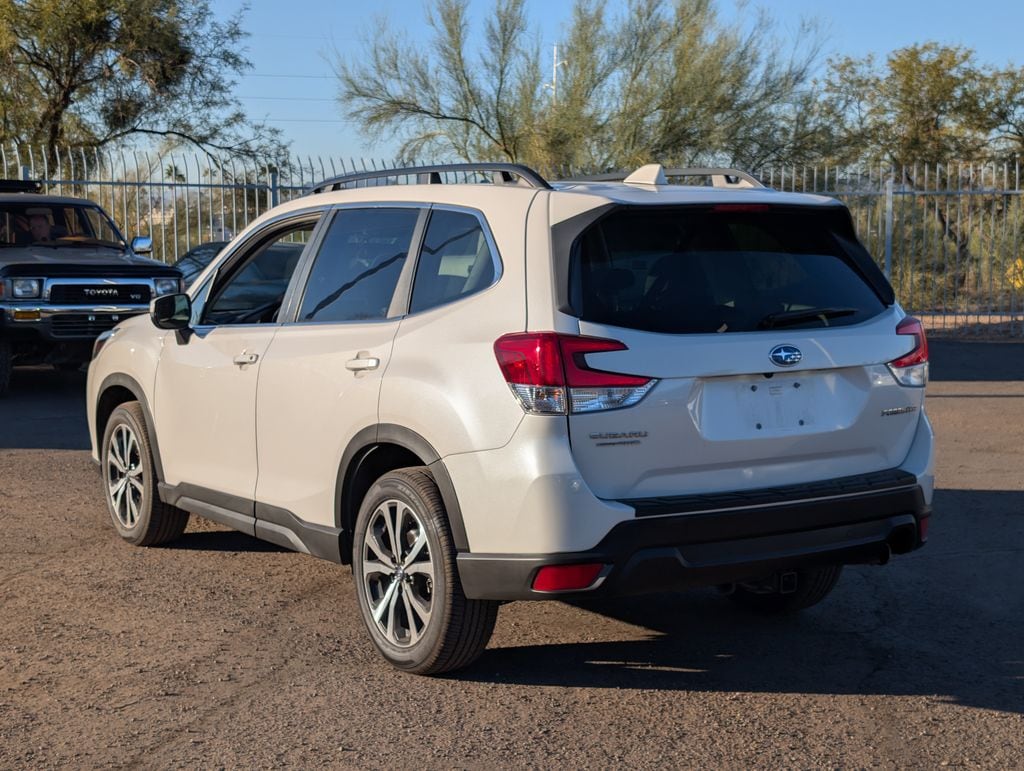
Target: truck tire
(6, 365)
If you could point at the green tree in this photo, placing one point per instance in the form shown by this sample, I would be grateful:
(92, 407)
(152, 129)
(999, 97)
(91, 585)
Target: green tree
(660, 81)
(1004, 104)
(92, 72)
(927, 104)
(933, 106)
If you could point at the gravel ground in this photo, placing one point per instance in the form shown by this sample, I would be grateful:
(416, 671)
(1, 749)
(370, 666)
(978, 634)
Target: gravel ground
(225, 651)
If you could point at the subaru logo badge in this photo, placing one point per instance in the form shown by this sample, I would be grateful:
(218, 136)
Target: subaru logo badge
(785, 355)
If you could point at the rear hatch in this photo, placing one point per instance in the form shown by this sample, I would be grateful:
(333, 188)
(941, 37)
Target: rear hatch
(769, 331)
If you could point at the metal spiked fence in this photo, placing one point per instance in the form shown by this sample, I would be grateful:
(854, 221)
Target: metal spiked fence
(950, 236)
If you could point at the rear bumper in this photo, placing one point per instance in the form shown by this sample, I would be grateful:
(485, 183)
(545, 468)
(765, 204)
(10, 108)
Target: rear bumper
(667, 552)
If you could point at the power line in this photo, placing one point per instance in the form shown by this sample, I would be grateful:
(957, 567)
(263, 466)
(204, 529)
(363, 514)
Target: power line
(290, 98)
(307, 120)
(268, 75)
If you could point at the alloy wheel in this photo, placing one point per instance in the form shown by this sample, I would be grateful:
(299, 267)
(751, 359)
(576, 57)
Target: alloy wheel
(398, 573)
(125, 481)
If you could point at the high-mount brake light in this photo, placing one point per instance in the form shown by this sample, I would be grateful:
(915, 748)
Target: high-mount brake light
(741, 207)
(911, 369)
(549, 374)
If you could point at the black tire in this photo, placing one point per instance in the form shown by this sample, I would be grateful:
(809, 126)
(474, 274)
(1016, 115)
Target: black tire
(141, 518)
(6, 365)
(457, 629)
(812, 586)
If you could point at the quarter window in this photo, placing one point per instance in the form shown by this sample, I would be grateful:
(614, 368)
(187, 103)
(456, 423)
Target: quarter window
(455, 261)
(358, 265)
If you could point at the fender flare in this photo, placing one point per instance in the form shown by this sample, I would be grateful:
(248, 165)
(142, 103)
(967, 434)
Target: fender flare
(390, 433)
(130, 384)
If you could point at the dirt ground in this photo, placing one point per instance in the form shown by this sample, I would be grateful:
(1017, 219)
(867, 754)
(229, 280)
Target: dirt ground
(225, 651)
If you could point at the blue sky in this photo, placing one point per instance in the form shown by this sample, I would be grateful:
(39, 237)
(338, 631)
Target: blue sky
(292, 47)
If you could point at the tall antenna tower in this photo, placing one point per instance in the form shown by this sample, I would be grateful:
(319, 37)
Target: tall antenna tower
(555, 64)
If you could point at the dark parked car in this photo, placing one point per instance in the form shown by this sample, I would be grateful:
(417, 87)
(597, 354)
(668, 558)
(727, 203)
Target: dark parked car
(66, 275)
(195, 260)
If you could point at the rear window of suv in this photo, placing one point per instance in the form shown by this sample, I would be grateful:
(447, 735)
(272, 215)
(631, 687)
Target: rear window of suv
(724, 268)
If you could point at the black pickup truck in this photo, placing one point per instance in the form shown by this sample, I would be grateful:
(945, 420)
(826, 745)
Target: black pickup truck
(66, 275)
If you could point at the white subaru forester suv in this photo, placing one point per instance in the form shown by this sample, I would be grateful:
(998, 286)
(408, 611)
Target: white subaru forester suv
(477, 387)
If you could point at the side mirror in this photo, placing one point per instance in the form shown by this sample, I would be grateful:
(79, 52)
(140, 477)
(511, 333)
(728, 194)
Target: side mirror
(171, 311)
(142, 244)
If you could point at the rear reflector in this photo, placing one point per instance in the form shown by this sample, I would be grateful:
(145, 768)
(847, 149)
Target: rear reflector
(922, 526)
(911, 369)
(564, 578)
(549, 374)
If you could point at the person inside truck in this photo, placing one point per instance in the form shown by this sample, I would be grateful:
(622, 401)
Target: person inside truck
(39, 226)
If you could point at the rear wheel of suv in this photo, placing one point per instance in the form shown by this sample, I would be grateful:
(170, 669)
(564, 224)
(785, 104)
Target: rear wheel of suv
(811, 587)
(129, 482)
(407, 582)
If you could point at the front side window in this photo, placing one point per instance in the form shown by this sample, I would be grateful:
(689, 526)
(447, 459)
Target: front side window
(358, 265)
(722, 269)
(455, 261)
(253, 291)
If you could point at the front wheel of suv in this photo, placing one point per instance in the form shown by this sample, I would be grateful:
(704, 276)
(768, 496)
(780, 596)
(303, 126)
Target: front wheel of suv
(407, 582)
(129, 482)
(811, 586)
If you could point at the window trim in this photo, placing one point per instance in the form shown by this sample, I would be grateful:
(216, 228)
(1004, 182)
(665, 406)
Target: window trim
(305, 268)
(233, 254)
(496, 260)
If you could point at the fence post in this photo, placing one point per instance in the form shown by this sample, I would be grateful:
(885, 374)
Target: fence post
(275, 190)
(888, 227)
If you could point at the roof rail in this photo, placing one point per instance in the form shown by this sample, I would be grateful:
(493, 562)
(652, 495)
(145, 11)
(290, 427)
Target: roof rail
(20, 186)
(655, 174)
(507, 173)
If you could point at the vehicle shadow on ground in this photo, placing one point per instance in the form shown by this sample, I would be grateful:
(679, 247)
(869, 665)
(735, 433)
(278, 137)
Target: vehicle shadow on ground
(222, 540)
(945, 621)
(44, 410)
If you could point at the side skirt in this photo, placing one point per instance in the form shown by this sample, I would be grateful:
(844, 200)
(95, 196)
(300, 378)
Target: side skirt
(260, 520)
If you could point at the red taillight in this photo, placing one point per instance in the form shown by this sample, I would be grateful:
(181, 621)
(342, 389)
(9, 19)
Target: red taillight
(911, 369)
(579, 375)
(534, 360)
(565, 578)
(549, 373)
(919, 355)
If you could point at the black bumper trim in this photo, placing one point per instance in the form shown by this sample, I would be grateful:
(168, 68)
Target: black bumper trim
(668, 553)
(829, 488)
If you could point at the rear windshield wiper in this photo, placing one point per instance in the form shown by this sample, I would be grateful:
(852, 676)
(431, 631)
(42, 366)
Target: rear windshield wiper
(787, 318)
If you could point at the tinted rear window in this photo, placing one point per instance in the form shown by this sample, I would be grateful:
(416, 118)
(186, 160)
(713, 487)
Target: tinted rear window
(699, 270)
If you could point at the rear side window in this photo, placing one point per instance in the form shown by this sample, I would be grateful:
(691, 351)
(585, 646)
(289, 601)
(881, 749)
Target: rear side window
(722, 269)
(455, 260)
(358, 265)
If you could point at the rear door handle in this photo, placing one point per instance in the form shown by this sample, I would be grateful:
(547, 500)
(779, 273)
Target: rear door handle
(362, 363)
(246, 358)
